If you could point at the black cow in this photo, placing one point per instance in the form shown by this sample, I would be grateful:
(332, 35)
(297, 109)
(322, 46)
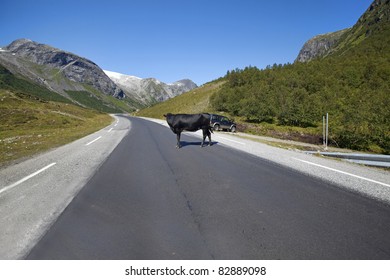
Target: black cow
(187, 122)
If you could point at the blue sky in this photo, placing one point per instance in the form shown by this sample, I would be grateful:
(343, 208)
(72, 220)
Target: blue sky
(171, 39)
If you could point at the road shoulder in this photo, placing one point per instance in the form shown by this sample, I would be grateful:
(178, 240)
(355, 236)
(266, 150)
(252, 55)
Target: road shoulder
(33, 193)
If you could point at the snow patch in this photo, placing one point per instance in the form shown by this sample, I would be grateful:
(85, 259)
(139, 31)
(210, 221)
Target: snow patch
(120, 76)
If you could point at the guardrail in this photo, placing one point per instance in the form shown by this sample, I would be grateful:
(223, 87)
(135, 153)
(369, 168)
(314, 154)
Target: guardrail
(365, 159)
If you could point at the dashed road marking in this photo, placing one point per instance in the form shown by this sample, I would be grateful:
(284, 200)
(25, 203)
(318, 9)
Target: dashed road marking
(93, 141)
(27, 177)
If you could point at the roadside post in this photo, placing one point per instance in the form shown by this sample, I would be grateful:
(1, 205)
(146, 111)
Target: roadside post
(325, 130)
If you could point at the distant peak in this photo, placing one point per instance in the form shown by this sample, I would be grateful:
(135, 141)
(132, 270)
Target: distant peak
(23, 40)
(117, 75)
(19, 42)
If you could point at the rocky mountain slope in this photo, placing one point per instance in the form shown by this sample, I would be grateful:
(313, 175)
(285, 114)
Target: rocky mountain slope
(319, 46)
(54, 68)
(375, 19)
(149, 91)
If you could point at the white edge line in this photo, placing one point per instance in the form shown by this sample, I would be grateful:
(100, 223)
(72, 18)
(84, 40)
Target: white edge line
(231, 140)
(26, 178)
(93, 141)
(342, 172)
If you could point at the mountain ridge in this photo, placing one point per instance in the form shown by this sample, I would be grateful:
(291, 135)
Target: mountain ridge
(81, 80)
(150, 90)
(73, 67)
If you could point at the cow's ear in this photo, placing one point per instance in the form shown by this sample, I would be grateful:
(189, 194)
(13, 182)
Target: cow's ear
(165, 116)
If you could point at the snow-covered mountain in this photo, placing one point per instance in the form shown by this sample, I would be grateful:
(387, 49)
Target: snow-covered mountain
(149, 91)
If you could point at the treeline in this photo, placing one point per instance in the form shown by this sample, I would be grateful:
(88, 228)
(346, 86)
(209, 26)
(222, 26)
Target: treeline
(352, 86)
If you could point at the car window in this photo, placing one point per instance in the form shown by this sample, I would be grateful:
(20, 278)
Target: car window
(216, 118)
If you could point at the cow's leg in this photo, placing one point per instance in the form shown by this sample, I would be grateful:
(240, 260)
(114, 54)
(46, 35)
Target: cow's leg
(178, 140)
(209, 135)
(204, 137)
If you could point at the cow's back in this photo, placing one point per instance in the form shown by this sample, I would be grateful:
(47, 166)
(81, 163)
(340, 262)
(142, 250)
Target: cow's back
(189, 122)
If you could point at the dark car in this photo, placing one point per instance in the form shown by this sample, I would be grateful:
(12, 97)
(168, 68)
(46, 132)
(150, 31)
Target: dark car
(219, 122)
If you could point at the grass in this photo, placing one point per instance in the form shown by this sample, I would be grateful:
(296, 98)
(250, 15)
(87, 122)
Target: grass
(30, 125)
(310, 135)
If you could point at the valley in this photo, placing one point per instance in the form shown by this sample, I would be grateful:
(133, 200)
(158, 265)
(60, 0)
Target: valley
(343, 73)
(89, 168)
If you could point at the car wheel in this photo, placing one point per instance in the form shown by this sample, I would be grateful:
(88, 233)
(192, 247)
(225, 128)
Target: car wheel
(216, 127)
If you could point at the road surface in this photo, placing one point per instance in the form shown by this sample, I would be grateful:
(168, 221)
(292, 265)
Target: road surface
(149, 200)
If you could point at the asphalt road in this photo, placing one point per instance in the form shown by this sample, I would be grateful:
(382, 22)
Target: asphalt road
(149, 200)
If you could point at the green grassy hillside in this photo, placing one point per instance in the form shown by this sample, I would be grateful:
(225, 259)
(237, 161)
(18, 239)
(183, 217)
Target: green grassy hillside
(352, 86)
(8, 81)
(34, 119)
(30, 125)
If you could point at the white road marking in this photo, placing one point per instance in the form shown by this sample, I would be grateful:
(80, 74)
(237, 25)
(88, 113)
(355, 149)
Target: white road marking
(27, 177)
(342, 172)
(110, 129)
(231, 140)
(93, 141)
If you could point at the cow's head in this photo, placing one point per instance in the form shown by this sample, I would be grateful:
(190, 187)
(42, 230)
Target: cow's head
(169, 119)
(168, 116)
